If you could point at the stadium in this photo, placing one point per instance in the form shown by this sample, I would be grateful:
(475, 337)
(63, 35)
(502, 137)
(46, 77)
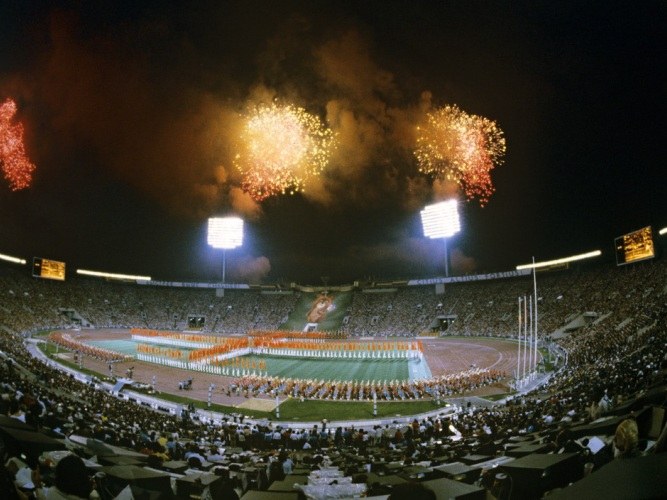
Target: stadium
(459, 364)
(316, 250)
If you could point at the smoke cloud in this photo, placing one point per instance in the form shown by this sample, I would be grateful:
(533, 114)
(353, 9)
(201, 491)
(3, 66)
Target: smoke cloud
(461, 263)
(374, 133)
(166, 137)
(250, 270)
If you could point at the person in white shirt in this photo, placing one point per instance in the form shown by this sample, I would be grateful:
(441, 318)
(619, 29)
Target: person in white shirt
(287, 463)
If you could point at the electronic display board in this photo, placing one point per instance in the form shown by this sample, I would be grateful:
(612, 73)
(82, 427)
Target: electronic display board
(48, 269)
(634, 246)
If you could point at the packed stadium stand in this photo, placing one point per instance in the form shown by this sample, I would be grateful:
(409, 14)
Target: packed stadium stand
(594, 429)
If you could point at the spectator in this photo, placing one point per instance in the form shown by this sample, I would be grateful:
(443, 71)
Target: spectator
(626, 440)
(72, 480)
(287, 463)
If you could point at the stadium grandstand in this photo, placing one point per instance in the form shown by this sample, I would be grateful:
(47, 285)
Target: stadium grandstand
(168, 390)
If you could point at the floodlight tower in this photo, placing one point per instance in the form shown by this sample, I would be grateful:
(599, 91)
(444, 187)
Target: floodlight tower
(225, 233)
(441, 220)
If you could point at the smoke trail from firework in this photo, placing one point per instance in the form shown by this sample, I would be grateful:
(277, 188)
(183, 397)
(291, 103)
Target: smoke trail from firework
(282, 147)
(16, 167)
(462, 148)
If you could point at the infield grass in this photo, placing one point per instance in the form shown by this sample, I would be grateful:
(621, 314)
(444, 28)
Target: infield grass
(337, 369)
(291, 409)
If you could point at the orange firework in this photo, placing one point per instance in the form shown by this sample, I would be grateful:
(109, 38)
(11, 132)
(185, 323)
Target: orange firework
(461, 148)
(16, 166)
(282, 147)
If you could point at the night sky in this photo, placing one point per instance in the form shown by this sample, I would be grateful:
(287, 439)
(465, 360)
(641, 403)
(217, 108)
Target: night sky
(131, 113)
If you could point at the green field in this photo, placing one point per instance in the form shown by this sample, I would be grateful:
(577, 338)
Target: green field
(292, 409)
(295, 410)
(334, 369)
(309, 410)
(302, 368)
(129, 347)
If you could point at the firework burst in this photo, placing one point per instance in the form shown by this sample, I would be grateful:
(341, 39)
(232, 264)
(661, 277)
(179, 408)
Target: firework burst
(282, 147)
(16, 167)
(460, 148)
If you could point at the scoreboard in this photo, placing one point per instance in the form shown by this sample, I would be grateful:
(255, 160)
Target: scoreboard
(634, 246)
(48, 269)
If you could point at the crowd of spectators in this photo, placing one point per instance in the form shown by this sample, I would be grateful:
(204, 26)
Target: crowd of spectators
(615, 362)
(32, 304)
(487, 308)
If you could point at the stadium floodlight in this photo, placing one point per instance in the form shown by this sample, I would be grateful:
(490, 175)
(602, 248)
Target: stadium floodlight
(9, 258)
(225, 233)
(663, 231)
(441, 220)
(113, 276)
(563, 260)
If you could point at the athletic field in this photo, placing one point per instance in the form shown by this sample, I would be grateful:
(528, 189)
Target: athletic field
(334, 369)
(441, 357)
(129, 346)
(309, 368)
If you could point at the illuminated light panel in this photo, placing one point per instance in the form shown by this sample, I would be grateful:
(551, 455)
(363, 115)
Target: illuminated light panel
(48, 269)
(441, 220)
(9, 258)
(564, 260)
(663, 231)
(225, 232)
(113, 276)
(634, 246)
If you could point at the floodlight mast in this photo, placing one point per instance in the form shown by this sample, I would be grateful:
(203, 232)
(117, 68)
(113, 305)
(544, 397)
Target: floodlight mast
(225, 233)
(441, 220)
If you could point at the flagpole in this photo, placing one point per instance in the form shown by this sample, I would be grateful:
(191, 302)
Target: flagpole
(530, 336)
(535, 312)
(525, 333)
(518, 359)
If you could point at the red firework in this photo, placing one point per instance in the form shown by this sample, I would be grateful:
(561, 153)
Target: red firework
(16, 167)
